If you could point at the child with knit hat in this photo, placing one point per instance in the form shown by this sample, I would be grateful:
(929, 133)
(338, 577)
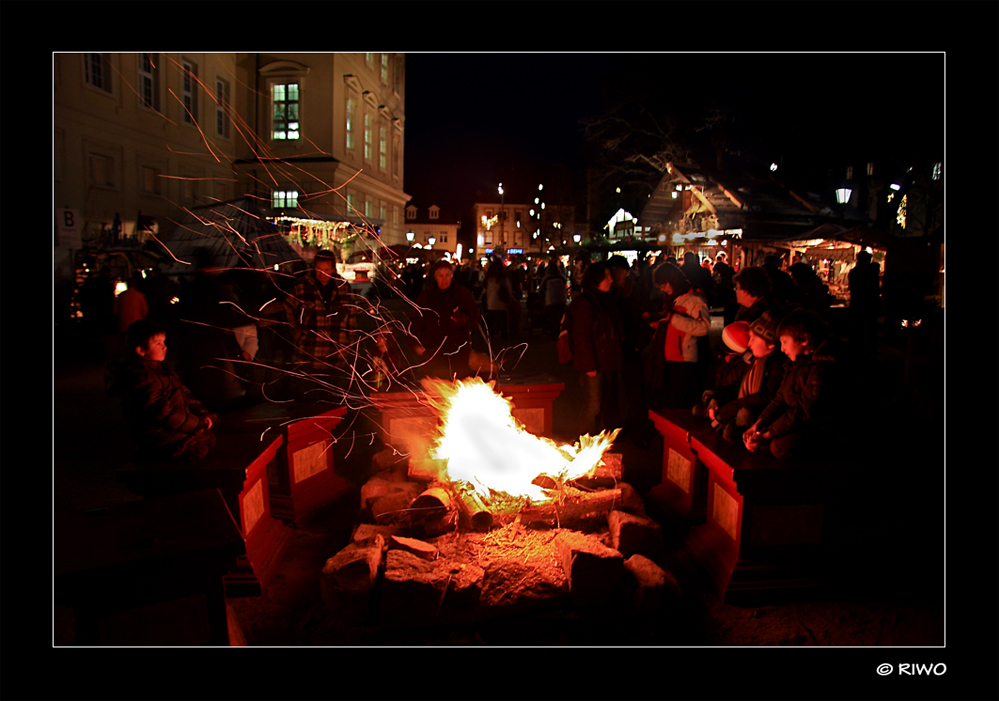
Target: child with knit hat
(758, 384)
(730, 368)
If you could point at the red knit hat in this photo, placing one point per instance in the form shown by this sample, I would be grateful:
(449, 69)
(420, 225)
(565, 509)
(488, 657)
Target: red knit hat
(736, 336)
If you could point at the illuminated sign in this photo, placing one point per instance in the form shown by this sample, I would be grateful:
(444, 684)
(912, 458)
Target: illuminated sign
(515, 251)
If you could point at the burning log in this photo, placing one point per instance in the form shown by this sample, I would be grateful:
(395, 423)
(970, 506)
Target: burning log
(574, 504)
(433, 512)
(474, 510)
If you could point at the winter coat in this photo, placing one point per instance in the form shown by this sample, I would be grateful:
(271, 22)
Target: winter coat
(689, 320)
(808, 394)
(553, 286)
(160, 411)
(596, 333)
(444, 319)
(323, 330)
(773, 365)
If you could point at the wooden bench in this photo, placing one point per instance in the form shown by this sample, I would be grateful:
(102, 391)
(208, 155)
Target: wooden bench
(303, 480)
(766, 531)
(237, 466)
(148, 572)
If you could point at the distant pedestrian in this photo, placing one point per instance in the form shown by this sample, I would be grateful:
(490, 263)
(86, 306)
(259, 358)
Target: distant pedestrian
(596, 354)
(442, 324)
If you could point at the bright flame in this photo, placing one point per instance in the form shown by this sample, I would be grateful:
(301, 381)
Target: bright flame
(486, 447)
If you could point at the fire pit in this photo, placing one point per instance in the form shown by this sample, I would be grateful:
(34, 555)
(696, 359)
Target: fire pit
(492, 520)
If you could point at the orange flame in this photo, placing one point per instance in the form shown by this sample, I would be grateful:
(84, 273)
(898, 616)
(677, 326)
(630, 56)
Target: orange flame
(487, 448)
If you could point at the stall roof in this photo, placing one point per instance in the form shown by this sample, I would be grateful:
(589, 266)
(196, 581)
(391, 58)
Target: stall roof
(763, 207)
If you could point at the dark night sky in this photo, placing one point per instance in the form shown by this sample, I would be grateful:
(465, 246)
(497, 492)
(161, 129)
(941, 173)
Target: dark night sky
(475, 119)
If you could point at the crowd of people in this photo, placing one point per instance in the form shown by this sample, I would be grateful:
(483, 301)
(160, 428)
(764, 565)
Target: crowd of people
(640, 341)
(638, 334)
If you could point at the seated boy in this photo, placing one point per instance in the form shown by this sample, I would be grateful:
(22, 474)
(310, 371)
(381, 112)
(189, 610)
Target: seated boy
(799, 420)
(758, 385)
(730, 366)
(163, 418)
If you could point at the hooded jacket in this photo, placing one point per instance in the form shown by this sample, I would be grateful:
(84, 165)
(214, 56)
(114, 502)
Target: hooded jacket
(808, 393)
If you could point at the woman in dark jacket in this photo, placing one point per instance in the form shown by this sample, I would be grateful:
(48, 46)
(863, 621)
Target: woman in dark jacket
(442, 325)
(596, 353)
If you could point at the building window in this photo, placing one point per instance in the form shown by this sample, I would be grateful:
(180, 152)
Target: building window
(149, 81)
(286, 99)
(101, 170)
(382, 147)
(870, 168)
(410, 212)
(383, 213)
(396, 154)
(435, 212)
(285, 199)
(937, 170)
(351, 108)
(385, 68)
(150, 181)
(189, 92)
(369, 209)
(190, 189)
(351, 202)
(442, 237)
(97, 71)
(367, 137)
(222, 107)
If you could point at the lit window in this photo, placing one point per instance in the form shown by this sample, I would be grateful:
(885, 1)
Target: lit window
(97, 71)
(285, 98)
(351, 107)
(900, 217)
(189, 91)
(367, 137)
(149, 81)
(385, 68)
(382, 148)
(870, 168)
(222, 108)
(285, 199)
(937, 170)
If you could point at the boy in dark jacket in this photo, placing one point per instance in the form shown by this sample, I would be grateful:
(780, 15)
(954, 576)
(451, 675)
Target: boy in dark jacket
(799, 420)
(757, 386)
(163, 418)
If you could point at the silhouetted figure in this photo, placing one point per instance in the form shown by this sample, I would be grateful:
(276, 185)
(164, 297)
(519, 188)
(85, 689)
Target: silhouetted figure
(865, 303)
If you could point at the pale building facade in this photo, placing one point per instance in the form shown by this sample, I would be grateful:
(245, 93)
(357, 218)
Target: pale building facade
(432, 227)
(157, 133)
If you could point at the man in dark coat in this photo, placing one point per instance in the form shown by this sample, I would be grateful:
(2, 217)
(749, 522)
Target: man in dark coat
(446, 316)
(596, 350)
(323, 319)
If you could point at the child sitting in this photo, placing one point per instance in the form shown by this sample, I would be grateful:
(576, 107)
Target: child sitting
(757, 386)
(799, 420)
(730, 367)
(163, 418)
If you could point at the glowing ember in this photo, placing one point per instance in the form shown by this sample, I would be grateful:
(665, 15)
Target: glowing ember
(488, 450)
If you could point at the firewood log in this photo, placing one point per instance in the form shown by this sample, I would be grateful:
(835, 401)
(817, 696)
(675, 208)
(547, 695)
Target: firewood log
(575, 504)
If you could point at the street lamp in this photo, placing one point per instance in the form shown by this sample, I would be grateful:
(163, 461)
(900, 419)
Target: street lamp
(502, 215)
